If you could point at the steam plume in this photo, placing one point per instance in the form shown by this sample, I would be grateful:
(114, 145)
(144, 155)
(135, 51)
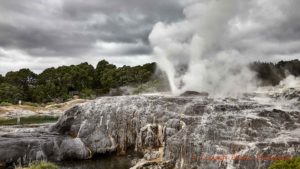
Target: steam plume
(202, 52)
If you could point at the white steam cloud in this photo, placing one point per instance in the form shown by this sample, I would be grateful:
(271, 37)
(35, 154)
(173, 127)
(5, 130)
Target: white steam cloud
(206, 51)
(290, 82)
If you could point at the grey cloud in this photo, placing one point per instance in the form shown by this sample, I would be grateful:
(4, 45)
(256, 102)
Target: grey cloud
(274, 32)
(72, 27)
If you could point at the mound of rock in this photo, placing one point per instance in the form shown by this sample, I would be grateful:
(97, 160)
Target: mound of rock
(171, 132)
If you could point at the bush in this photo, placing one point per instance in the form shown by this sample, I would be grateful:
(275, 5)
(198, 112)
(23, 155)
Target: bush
(287, 164)
(5, 104)
(87, 93)
(29, 120)
(31, 104)
(149, 87)
(10, 93)
(42, 165)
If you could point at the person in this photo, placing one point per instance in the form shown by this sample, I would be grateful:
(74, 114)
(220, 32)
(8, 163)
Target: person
(18, 118)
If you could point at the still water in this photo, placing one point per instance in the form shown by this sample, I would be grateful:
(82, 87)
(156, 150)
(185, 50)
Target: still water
(101, 162)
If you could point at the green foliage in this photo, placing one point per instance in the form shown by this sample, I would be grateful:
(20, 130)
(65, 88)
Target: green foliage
(272, 74)
(62, 83)
(87, 93)
(149, 87)
(29, 120)
(109, 78)
(10, 93)
(1, 79)
(24, 79)
(83, 76)
(286, 164)
(5, 104)
(103, 70)
(42, 165)
(31, 104)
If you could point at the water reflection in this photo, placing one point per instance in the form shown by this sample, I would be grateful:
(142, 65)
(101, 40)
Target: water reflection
(109, 162)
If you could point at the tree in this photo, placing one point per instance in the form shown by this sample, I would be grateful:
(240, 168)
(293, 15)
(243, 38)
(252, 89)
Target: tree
(62, 82)
(103, 68)
(48, 86)
(83, 76)
(45, 93)
(1, 79)
(10, 93)
(292, 67)
(24, 79)
(272, 74)
(125, 76)
(109, 79)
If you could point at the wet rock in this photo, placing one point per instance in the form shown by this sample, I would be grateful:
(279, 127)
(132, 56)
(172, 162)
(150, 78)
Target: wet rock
(143, 164)
(194, 93)
(171, 132)
(22, 148)
(74, 149)
(150, 136)
(152, 155)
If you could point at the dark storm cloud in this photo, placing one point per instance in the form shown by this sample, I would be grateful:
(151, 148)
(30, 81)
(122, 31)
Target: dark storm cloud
(43, 33)
(73, 27)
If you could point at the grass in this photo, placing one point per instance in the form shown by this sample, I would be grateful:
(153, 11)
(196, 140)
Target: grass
(43, 165)
(40, 165)
(29, 120)
(5, 104)
(35, 107)
(31, 104)
(286, 164)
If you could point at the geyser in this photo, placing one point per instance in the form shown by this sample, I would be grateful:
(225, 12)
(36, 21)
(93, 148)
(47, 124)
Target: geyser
(207, 50)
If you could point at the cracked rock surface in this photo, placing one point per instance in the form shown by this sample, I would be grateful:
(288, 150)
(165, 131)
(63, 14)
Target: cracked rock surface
(172, 132)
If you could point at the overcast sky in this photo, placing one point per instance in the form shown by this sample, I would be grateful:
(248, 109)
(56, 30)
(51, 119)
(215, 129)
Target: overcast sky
(37, 34)
(43, 33)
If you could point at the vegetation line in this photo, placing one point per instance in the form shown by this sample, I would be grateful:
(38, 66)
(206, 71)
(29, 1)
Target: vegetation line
(62, 83)
(28, 120)
(83, 80)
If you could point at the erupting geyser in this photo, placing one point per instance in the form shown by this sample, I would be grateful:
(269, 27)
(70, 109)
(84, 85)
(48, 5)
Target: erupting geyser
(208, 51)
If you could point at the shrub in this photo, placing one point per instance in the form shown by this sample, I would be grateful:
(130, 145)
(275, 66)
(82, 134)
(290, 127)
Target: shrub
(87, 93)
(42, 165)
(31, 104)
(5, 104)
(29, 120)
(287, 164)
